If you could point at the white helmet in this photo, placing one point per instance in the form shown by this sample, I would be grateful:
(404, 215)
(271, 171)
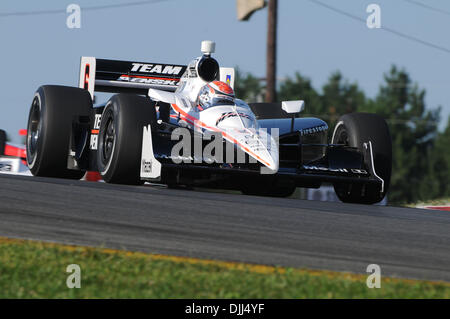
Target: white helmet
(215, 93)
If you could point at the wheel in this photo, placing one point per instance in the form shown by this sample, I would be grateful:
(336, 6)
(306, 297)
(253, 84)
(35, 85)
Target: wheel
(354, 130)
(120, 137)
(2, 142)
(49, 129)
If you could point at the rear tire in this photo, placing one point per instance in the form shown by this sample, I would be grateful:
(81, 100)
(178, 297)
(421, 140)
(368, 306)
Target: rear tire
(49, 129)
(120, 137)
(354, 130)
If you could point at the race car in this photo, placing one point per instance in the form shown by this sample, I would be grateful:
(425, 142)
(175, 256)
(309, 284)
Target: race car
(12, 156)
(182, 125)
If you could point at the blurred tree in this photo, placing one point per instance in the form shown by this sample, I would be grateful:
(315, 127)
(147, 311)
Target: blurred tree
(421, 160)
(340, 97)
(413, 130)
(300, 88)
(247, 87)
(438, 177)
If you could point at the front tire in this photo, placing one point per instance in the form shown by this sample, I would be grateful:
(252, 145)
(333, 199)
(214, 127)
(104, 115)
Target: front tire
(49, 129)
(120, 137)
(354, 130)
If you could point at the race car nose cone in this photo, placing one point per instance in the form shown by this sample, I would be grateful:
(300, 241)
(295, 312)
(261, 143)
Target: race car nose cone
(262, 147)
(269, 154)
(273, 165)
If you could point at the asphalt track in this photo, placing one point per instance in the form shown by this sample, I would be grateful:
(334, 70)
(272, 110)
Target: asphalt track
(405, 242)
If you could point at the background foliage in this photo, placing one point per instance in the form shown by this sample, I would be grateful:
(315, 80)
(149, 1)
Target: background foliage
(421, 160)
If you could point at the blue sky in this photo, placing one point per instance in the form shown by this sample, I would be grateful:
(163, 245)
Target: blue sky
(40, 49)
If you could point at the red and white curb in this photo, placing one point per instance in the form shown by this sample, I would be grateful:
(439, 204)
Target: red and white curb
(444, 208)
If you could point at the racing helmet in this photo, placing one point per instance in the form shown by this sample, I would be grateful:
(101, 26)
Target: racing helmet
(215, 93)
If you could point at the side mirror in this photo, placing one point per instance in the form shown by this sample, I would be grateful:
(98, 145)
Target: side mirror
(293, 106)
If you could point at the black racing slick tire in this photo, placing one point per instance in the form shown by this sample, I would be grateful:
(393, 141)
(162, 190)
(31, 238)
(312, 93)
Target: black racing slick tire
(120, 137)
(2, 142)
(354, 130)
(49, 129)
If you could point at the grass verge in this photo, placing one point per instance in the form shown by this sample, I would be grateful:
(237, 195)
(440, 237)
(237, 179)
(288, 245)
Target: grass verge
(434, 202)
(31, 269)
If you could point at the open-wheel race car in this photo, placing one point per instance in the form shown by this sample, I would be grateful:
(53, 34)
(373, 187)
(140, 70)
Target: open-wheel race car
(12, 156)
(182, 125)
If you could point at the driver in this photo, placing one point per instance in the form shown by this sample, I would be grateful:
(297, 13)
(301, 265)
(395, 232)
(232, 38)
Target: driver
(215, 93)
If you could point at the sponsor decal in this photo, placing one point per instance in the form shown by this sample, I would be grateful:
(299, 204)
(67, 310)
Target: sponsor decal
(228, 80)
(192, 73)
(185, 102)
(146, 166)
(97, 121)
(5, 167)
(359, 171)
(86, 76)
(94, 132)
(93, 144)
(147, 80)
(150, 166)
(232, 114)
(315, 129)
(186, 158)
(336, 170)
(156, 68)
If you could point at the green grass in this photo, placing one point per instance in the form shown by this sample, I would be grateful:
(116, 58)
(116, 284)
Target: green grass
(38, 270)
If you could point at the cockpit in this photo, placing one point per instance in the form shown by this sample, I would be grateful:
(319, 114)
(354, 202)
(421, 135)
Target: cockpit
(215, 93)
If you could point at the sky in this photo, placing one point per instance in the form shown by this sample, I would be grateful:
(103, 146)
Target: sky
(40, 49)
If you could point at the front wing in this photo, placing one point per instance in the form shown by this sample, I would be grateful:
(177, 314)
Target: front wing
(340, 164)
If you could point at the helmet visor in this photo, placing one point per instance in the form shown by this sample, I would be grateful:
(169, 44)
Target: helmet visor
(222, 100)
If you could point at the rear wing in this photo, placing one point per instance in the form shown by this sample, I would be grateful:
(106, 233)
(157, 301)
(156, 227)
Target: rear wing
(124, 76)
(134, 77)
